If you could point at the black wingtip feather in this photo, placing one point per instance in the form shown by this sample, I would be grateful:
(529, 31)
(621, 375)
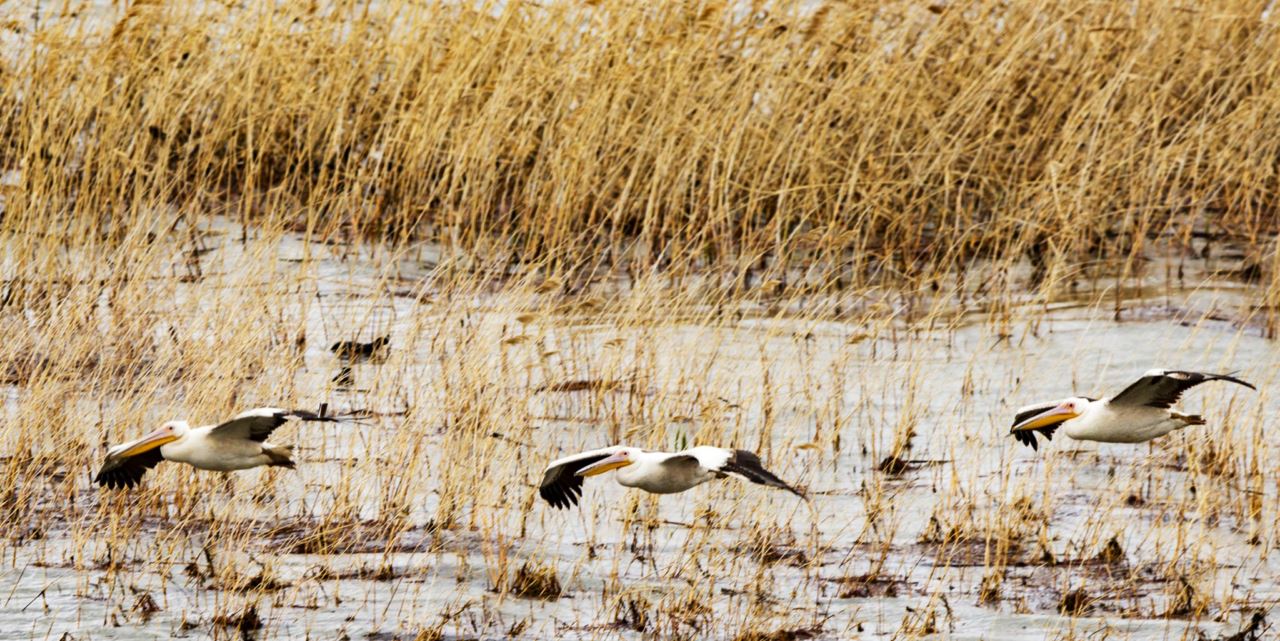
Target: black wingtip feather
(128, 472)
(1164, 389)
(1028, 437)
(561, 497)
(309, 416)
(115, 480)
(1231, 378)
(749, 466)
(561, 486)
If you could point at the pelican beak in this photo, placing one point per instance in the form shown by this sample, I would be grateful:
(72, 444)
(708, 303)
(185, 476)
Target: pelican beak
(148, 442)
(1049, 417)
(600, 467)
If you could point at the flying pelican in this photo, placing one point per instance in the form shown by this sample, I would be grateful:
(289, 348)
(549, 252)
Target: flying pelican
(656, 472)
(1139, 413)
(237, 444)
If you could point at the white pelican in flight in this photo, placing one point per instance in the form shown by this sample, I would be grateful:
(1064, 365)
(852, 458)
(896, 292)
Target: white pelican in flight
(237, 444)
(656, 472)
(1139, 413)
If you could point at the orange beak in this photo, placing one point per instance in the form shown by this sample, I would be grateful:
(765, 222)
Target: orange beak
(600, 467)
(1056, 415)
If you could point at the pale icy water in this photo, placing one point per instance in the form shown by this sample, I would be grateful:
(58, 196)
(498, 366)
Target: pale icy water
(821, 401)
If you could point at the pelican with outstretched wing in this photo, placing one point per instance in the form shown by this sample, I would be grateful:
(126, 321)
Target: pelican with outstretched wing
(656, 472)
(1139, 413)
(238, 444)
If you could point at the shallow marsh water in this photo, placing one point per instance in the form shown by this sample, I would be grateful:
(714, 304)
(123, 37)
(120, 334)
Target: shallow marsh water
(410, 520)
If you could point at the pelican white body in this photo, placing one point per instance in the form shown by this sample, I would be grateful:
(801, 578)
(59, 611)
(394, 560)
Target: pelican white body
(1101, 421)
(202, 449)
(651, 472)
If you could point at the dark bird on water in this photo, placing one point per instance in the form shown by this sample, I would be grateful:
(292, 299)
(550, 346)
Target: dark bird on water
(345, 378)
(357, 351)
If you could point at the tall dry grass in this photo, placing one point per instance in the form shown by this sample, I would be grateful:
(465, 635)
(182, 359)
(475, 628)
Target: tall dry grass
(817, 144)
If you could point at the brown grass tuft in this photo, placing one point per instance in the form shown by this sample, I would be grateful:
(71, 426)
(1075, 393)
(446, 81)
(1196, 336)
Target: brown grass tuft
(1075, 603)
(536, 581)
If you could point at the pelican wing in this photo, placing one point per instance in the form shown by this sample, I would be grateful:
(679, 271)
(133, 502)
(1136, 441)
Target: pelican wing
(1028, 437)
(257, 424)
(126, 471)
(739, 463)
(561, 485)
(1161, 388)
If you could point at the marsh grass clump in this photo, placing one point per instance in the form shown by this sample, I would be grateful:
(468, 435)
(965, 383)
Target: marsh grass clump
(263, 581)
(1075, 603)
(682, 613)
(1185, 600)
(1112, 553)
(244, 620)
(781, 634)
(1251, 630)
(989, 591)
(536, 581)
(920, 621)
(861, 587)
(770, 547)
(631, 610)
(429, 634)
(145, 605)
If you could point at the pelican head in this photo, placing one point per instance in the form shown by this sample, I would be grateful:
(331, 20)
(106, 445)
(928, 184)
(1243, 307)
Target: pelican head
(1054, 412)
(622, 458)
(167, 433)
(178, 429)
